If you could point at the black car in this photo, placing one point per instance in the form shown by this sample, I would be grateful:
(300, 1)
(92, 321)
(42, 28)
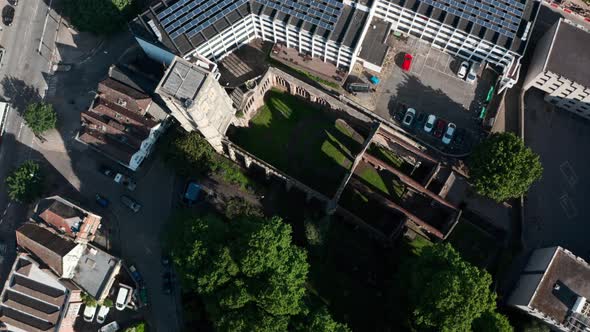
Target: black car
(107, 171)
(7, 15)
(13, 2)
(460, 136)
(420, 119)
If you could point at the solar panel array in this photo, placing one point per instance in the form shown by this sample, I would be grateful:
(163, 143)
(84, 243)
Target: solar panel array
(321, 13)
(501, 16)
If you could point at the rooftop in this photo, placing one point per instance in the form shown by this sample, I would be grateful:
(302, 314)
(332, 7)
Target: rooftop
(68, 218)
(95, 270)
(32, 297)
(374, 48)
(572, 274)
(47, 239)
(183, 81)
(571, 47)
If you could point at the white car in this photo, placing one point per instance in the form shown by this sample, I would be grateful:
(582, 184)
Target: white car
(89, 313)
(121, 302)
(102, 314)
(409, 117)
(429, 123)
(463, 67)
(448, 136)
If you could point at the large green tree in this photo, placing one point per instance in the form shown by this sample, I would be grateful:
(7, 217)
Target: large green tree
(100, 17)
(40, 117)
(249, 274)
(317, 319)
(502, 167)
(491, 322)
(25, 183)
(446, 292)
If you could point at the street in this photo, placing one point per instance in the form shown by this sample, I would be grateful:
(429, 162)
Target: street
(72, 168)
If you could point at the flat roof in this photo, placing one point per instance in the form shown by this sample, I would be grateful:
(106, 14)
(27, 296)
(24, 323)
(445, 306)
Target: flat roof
(374, 48)
(94, 270)
(573, 276)
(570, 54)
(183, 80)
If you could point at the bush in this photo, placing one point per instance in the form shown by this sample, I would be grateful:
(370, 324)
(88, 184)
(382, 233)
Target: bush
(40, 117)
(107, 303)
(103, 17)
(236, 207)
(25, 184)
(88, 300)
(138, 327)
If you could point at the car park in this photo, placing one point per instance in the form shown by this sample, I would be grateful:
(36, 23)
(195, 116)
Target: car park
(132, 204)
(101, 200)
(440, 128)
(103, 311)
(463, 68)
(407, 64)
(430, 121)
(409, 117)
(89, 313)
(8, 15)
(121, 301)
(448, 136)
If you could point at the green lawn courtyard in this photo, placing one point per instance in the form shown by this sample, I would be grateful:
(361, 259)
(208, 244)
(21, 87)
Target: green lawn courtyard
(300, 139)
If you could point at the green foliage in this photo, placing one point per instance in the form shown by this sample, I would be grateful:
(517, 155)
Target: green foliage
(25, 184)
(138, 327)
(107, 303)
(318, 319)
(316, 231)
(100, 17)
(491, 322)
(502, 167)
(40, 117)
(446, 292)
(250, 275)
(191, 155)
(236, 207)
(88, 300)
(534, 325)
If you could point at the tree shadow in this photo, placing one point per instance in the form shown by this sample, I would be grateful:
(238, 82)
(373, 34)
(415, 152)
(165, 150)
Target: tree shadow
(19, 93)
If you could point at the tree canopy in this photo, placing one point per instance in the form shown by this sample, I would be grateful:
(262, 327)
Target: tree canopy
(491, 322)
(40, 117)
(446, 292)
(502, 167)
(249, 274)
(25, 184)
(99, 17)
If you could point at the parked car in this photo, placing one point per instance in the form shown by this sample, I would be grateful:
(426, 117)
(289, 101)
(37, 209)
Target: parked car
(407, 64)
(460, 136)
(101, 200)
(429, 123)
(121, 301)
(448, 136)
(472, 75)
(409, 117)
(110, 327)
(420, 119)
(89, 313)
(135, 274)
(132, 204)
(8, 15)
(463, 68)
(165, 261)
(13, 2)
(107, 171)
(102, 314)
(191, 192)
(167, 282)
(119, 178)
(440, 128)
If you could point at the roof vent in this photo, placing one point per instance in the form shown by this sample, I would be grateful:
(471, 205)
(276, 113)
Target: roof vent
(556, 287)
(187, 103)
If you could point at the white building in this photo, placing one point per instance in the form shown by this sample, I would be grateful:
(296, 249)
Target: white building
(555, 287)
(560, 68)
(340, 31)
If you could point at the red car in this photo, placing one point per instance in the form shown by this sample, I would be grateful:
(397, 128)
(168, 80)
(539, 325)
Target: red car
(440, 128)
(407, 62)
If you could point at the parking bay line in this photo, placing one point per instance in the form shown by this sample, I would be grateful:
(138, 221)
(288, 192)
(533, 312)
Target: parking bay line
(567, 171)
(568, 206)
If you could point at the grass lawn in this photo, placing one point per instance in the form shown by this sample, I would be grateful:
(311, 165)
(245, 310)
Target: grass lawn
(474, 245)
(386, 156)
(383, 181)
(300, 139)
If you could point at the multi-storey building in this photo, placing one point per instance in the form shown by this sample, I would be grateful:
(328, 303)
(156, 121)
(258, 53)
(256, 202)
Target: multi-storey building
(559, 68)
(335, 30)
(554, 287)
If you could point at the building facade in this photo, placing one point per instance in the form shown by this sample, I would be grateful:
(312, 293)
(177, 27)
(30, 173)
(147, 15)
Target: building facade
(556, 70)
(554, 287)
(335, 30)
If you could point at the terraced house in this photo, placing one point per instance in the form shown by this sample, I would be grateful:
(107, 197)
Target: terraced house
(340, 32)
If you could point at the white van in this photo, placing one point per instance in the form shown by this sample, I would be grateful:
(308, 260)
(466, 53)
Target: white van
(102, 314)
(89, 313)
(122, 298)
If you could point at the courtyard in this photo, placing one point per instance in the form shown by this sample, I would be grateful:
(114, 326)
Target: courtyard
(307, 143)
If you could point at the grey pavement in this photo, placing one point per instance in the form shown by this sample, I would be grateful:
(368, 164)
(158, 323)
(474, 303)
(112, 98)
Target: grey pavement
(556, 208)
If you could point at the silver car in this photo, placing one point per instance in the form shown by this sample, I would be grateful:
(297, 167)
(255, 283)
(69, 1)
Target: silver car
(430, 121)
(409, 117)
(132, 204)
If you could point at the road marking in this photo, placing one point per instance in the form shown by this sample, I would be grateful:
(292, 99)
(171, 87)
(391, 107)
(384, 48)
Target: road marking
(44, 26)
(567, 171)
(28, 31)
(20, 129)
(568, 206)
